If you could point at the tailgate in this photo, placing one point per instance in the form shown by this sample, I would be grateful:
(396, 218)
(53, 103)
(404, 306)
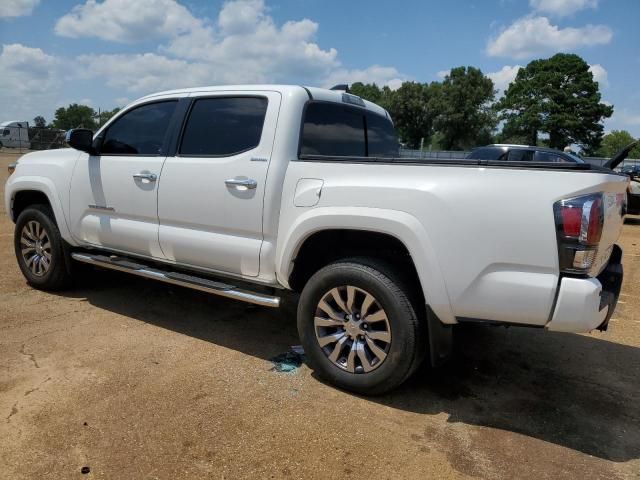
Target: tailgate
(614, 195)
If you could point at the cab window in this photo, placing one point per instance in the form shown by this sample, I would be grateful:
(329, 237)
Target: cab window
(140, 131)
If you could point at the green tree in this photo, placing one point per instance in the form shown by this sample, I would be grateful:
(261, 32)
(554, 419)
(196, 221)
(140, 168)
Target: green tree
(104, 116)
(556, 96)
(74, 116)
(462, 105)
(39, 121)
(614, 141)
(368, 91)
(409, 109)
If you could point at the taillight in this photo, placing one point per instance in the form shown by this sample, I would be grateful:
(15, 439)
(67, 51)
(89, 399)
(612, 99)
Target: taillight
(579, 223)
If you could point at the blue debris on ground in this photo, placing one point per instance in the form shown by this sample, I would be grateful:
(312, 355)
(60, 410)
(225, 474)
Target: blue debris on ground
(289, 361)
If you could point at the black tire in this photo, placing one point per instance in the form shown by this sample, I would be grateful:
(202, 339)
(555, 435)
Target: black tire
(408, 344)
(57, 275)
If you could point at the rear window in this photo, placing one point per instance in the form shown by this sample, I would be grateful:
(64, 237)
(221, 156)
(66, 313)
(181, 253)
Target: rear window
(381, 137)
(332, 129)
(224, 126)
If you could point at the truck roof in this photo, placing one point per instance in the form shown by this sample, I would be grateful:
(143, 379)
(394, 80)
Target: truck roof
(10, 123)
(322, 94)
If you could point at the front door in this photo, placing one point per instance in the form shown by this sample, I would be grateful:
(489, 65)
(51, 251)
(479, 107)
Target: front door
(114, 194)
(211, 192)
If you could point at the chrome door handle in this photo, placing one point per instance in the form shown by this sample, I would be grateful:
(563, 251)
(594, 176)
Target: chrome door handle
(145, 176)
(243, 183)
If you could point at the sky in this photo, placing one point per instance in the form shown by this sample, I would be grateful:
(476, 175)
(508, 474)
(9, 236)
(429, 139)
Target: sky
(106, 53)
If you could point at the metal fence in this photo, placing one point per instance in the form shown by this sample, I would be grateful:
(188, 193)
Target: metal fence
(18, 139)
(459, 154)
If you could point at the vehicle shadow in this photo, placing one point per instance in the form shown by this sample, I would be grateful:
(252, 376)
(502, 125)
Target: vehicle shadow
(577, 391)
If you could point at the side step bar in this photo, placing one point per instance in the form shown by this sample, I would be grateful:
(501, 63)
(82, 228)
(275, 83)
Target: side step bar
(189, 281)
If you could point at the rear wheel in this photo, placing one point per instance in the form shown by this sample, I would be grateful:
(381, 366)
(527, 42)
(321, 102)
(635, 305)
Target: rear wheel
(39, 249)
(359, 328)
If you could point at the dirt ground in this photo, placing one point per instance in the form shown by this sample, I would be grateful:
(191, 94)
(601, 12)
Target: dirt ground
(136, 379)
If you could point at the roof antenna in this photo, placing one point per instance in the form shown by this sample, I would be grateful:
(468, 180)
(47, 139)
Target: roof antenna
(342, 87)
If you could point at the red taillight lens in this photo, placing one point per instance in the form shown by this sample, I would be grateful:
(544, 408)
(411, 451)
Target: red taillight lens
(579, 223)
(571, 220)
(594, 230)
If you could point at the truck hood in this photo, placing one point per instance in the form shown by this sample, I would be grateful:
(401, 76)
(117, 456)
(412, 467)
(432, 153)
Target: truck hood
(48, 156)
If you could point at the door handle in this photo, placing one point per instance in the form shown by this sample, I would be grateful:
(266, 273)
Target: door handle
(145, 176)
(241, 183)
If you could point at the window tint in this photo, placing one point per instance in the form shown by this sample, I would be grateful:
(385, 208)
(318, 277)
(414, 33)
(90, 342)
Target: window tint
(520, 156)
(224, 126)
(6, 132)
(381, 137)
(549, 157)
(333, 129)
(140, 131)
(489, 153)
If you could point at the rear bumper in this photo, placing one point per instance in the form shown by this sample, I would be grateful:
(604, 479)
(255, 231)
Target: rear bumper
(585, 304)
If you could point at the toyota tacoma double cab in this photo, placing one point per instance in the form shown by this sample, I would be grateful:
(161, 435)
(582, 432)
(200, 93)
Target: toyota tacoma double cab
(246, 191)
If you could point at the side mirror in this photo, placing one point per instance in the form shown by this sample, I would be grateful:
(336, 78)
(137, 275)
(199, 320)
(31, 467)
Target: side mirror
(81, 139)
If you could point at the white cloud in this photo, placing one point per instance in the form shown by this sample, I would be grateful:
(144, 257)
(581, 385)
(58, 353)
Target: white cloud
(29, 83)
(624, 119)
(17, 8)
(381, 76)
(530, 36)
(145, 73)
(600, 75)
(243, 45)
(127, 21)
(443, 73)
(503, 77)
(562, 8)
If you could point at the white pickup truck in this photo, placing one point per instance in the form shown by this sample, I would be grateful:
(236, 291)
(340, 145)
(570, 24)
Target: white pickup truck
(243, 191)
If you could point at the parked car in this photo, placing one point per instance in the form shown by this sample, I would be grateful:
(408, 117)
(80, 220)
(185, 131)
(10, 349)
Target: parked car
(522, 153)
(246, 191)
(633, 192)
(14, 135)
(631, 170)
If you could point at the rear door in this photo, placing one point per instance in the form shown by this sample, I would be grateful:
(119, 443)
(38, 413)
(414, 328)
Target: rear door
(211, 192)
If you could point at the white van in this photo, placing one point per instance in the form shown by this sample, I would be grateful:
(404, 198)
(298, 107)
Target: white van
(14, 134)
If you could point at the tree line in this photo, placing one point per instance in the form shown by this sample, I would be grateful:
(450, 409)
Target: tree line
(552, 102)
(76, 116)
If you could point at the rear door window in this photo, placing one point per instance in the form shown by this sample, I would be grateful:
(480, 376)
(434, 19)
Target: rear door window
(332, 129)
(224, 126)
(140, 131)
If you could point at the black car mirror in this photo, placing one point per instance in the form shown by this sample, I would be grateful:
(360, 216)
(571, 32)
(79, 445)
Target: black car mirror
(81, 139)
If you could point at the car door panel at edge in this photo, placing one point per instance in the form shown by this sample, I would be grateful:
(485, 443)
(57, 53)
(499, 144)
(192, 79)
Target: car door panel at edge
(211, 192)
(113, 198)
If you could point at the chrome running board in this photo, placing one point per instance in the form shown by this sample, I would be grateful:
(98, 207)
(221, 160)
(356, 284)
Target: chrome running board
(123, 264)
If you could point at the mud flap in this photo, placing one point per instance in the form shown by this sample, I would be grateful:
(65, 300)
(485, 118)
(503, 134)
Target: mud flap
(440, 339)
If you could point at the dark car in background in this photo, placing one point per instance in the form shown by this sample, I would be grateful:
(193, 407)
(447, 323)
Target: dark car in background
(633, 192)
(522, 153)
(631, 170)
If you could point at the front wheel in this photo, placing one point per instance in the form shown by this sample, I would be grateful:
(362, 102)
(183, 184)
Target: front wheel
(39, 249)
(359, 328)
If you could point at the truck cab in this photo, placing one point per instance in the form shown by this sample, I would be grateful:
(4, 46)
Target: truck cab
(14, 134)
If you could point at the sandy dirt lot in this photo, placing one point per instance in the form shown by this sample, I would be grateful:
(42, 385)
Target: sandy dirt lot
(135, 379)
